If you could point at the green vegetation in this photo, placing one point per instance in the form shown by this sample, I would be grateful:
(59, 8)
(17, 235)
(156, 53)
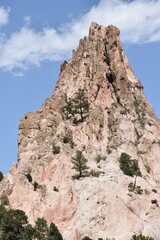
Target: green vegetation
(1, 176)
(35, 186)
(133, 188)
(140, 112)
(86, 238)
(94, 173)
(80, 164)
(14, 226)
(114, 105)
(99, 157)
(41, 229)
(141, 237)
(29, 177)
(4, 201)
(69, 140)
(129, 166)
(55, 189)
(77, 108)
(53, 233)
(66, 140)
(137, 106)
(56, 149)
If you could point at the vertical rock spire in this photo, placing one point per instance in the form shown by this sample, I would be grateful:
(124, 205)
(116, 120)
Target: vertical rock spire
(119, 120)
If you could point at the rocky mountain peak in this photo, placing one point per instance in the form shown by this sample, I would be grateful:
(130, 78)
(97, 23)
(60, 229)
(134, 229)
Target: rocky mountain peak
(119, 121)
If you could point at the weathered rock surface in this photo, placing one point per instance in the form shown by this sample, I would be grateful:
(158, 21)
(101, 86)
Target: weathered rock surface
(120, 120)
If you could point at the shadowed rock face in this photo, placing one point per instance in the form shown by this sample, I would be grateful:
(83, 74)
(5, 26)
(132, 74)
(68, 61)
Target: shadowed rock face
(120, 120)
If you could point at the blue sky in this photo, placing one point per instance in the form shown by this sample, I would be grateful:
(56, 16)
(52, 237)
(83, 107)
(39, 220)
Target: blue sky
(35, 37)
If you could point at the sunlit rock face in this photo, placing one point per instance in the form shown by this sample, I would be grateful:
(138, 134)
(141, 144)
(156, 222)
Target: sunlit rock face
(119, 120)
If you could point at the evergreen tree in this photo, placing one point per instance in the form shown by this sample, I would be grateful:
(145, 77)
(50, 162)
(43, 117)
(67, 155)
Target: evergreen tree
(86, 238)
(28, 233)
(80, 164)
(141, 237)
(2, 212)
(81, 104)
(13, 224)
(77, 108)
(1, 176)
(130, 167)
(53, 233)
(41, 229)
(68, 109)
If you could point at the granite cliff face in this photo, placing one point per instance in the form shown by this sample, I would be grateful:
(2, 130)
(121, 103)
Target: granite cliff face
(120, 120)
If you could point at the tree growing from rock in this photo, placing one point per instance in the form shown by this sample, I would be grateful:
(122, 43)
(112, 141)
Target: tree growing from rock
(141, 237)
(77, 108)
(54, 233)
(14, 226)
(80, 164)
(129, 167)
(1, 176)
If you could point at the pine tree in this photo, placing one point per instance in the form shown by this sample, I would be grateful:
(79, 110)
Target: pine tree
(141, 237)
(1, 176)
(79, 162)
(41, 229)
(130, 167)
(13, 224)
(77, 108)
(53, 233)
(81, 104)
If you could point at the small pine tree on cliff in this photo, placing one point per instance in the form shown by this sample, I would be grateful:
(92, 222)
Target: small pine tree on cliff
(80, 164)
(77, 108)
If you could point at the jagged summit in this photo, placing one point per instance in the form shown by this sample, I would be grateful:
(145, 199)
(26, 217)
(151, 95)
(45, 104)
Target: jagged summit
(119, 120)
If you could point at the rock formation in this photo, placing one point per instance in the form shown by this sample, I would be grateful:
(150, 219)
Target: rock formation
(120, 120)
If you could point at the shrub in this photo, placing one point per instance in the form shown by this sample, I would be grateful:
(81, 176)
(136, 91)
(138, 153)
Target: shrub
(5, 201)
(99, 157)
(1, 176)
(56, 149)
(55, 189)
(94, 173)
(148, 169)
(129, 166)
(66, 139)
(141, 237)
(137, 106)
(133, 188)
(29, 177)
(114, 105)
(35, 186)
(139, 190)
(130, 187)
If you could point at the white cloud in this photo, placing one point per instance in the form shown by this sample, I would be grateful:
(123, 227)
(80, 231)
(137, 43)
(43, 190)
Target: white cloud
(138, 20)
(4, 16)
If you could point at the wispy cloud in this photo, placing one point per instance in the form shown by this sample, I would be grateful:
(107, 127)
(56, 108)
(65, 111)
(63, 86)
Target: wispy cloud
(138, 20)
(4, 16)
